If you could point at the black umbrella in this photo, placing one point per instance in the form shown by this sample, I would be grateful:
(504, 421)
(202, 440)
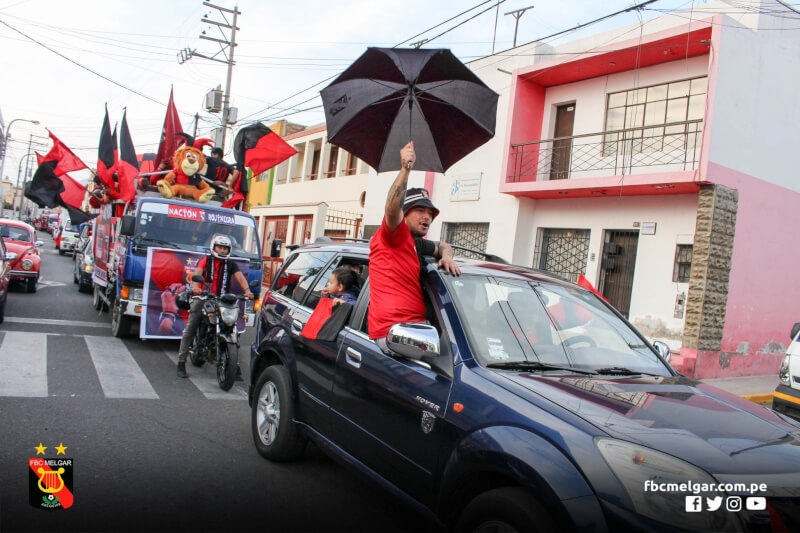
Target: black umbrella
(390, 96)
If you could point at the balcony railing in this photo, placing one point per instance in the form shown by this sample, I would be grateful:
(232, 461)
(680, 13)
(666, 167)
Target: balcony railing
(667, 148)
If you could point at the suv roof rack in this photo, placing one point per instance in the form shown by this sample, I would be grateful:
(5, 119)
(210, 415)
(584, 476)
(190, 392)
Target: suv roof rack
(489, 257)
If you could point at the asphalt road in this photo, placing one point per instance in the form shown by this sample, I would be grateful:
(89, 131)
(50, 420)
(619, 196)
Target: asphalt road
(150, 451)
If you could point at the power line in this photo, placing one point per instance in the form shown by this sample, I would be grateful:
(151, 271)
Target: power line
(87, 68)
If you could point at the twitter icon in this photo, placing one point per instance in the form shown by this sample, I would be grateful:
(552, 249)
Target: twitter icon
(713, 504)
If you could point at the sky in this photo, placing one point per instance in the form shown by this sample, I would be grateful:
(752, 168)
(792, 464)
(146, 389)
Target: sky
(61, 61)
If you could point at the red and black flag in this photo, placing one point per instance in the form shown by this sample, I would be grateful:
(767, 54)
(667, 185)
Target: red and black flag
(47, 189)
(258, 147)
(106, 154)
(127, 164)
(63, 156)
(168, 143)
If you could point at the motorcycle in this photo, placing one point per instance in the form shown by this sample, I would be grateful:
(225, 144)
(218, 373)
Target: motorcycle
(217, 341)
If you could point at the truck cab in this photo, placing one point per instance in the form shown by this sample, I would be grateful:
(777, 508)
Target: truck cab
(121, 247)
(786, 398)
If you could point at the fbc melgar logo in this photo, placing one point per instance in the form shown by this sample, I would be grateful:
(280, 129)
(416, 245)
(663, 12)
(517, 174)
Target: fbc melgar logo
(50, 479)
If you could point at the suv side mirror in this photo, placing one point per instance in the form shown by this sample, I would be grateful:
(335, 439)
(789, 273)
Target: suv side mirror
(663, 350)
(413, 340)
(128, 226)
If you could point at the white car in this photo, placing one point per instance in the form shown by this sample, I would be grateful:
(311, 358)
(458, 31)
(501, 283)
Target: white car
(786, 398)
(67, 237)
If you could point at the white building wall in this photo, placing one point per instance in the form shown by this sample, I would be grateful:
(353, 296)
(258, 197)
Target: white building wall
(654, 294)
(750, 131)
(340, 193)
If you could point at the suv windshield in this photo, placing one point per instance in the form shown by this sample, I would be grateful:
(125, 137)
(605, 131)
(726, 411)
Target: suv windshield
(154, 225)
(515, 321)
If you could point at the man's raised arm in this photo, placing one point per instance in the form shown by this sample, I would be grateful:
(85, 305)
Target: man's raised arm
(397, 192)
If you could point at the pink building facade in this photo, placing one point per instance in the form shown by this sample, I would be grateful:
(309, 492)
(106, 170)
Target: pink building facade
(663, 167)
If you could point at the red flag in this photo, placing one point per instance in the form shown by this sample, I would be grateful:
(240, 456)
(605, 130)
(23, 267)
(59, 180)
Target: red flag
(67, 161)
(321, 314)
(39, 158)
(106, 154)
(127, 166)
(583, 282)
(169, 143)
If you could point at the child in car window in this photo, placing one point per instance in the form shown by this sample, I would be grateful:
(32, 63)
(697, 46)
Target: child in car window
(342, 286)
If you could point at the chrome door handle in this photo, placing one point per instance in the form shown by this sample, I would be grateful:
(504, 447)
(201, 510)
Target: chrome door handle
(353, 357)
(297, 327)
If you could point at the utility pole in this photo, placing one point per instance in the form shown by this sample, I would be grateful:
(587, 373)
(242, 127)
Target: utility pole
(226, 46)
(25, 181)
(517, 14)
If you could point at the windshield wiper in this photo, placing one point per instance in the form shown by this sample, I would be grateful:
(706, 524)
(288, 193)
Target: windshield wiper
(622, 371)
(536, 365)
(168, 244)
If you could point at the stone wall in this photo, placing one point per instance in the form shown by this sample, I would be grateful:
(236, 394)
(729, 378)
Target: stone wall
(711, 267)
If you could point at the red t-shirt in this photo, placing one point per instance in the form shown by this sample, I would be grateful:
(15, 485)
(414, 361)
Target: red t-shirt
(395, 292)
(214, 271)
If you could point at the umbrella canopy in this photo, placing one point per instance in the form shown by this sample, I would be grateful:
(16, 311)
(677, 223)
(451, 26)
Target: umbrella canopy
(390, 96)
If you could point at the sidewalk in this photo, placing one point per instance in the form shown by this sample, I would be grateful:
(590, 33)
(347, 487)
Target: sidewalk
(758, 389)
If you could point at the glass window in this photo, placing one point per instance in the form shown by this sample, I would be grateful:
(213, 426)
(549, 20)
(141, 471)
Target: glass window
(615, 120)
(676, 110)
(681, 273)
(678, 89)
(697, 107)
(634, 116)
(299, 272)
(654, 113)
(154, 225)
(516, 320)
(659, 92)
(15, 233)
(616, 100)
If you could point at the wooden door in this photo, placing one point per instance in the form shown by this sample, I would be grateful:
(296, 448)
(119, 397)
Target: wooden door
(617, 268)
(562, 148)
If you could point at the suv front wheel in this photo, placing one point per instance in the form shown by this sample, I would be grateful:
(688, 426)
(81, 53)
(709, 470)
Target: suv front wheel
(275, 434)
(506, 509)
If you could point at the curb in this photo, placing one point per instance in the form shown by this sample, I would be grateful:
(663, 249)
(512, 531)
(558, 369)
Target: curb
(765, 397)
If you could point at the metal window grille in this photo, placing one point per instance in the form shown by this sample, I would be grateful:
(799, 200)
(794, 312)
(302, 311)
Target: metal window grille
(683, 263)
(562, 251)
(339, 223)
(473, 235)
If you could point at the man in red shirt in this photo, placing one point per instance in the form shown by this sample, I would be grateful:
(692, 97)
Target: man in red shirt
(396, 251)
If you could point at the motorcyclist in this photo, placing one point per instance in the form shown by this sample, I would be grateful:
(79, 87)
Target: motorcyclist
(217, 269)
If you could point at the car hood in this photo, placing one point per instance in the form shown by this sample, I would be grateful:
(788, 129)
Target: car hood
(18, 247)
(713, 429)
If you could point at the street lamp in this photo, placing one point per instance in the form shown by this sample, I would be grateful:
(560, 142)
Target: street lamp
(5, 141)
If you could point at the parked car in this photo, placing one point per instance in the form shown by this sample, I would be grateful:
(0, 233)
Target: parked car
(20, 238)
(786, 397)
(86, 230)
(6, 258)
(526, 403)
(84, 266)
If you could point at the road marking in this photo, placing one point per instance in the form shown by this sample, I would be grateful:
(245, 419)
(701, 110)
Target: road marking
(120, 375)
(205, 379)
(55, 322)
(47, 283)
(23, 360)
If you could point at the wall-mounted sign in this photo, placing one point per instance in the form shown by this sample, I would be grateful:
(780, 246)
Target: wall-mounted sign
(648, 228)
(466, 187)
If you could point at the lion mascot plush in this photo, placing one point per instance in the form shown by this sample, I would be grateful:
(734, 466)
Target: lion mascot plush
(181, 181)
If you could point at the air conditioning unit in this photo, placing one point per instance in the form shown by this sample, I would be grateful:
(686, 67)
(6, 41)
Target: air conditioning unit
(214, 100)
(233, 115)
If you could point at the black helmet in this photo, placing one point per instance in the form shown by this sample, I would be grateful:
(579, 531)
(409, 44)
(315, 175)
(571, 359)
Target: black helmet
(183, 299)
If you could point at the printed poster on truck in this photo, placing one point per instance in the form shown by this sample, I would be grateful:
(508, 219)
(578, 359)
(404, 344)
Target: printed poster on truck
(167, 273)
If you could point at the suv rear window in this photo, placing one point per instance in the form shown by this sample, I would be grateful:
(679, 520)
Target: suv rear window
(298, 274)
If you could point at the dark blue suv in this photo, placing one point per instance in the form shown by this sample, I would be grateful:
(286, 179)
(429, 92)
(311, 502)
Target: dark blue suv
(525, 403)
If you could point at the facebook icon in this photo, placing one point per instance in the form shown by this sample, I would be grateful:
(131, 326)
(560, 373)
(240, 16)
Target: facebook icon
(694, 504)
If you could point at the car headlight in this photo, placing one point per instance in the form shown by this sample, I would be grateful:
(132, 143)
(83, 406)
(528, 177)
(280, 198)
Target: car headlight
(27, 264)
(88, 268)
(783, 371)
(137, 294)
(229, 315)
(644, 472)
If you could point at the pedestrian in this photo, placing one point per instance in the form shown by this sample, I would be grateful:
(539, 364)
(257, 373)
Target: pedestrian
(217, 269)
(396, 254)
